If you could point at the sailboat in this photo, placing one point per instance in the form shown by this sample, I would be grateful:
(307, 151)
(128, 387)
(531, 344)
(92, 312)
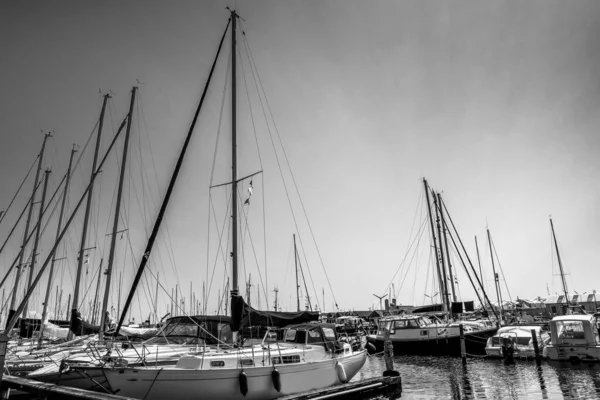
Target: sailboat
(422, 332)
(289, 360)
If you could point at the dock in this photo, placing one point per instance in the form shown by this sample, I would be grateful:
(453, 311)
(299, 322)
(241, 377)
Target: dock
(42, 390)
(371, 386)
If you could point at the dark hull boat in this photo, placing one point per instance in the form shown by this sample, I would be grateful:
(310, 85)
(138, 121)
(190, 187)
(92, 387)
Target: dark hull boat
(416, 334)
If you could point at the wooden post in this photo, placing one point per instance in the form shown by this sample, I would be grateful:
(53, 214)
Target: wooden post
(463, 351)
(388, 354)
(536, 347)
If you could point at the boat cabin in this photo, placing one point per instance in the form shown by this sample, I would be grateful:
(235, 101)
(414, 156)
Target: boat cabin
(574, 330)
(317, 334)
(194, 330)
(574, 338)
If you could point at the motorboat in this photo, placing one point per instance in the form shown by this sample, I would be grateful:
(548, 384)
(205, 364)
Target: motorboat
(574, 338)
(521, 341)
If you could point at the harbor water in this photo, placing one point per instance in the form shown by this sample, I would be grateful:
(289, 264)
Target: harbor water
(446, 378)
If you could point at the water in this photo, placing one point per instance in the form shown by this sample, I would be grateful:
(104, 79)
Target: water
(446, 378)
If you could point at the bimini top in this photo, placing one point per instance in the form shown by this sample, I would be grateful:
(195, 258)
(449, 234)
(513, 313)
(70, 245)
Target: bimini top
(574, 317)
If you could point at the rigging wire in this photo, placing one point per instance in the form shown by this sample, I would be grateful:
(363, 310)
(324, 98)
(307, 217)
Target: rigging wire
(258, 81)
(211, 206)
(260, 163)
(19, 189)
(501, 270)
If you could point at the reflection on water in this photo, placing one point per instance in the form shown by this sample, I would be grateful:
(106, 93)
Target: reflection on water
(447, 378)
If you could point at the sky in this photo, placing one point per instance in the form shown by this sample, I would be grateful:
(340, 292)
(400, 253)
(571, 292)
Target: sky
(496, 104)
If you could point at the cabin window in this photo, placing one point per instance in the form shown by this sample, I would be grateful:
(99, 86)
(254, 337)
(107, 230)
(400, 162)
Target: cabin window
(400, 324)
(245, 362)
(290, 335)
(570, 330)
(225, 333)
(286, 359)
(295, 336)
(412, 323)
(219, 363)
(314, 336)
(329, 333)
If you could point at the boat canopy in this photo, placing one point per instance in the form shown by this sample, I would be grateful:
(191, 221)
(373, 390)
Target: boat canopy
(574, 330)
(244, 315)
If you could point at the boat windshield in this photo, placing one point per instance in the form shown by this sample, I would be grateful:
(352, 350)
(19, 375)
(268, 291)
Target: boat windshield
(570, 330)
(186, 331)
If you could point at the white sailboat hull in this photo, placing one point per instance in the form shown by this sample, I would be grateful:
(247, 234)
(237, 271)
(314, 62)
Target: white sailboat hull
(183, 384)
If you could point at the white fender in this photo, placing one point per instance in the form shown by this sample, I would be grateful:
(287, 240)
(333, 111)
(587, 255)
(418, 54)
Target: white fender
(341, 373)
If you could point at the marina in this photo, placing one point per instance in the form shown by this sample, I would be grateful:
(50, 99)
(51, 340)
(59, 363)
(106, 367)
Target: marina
(299, 200)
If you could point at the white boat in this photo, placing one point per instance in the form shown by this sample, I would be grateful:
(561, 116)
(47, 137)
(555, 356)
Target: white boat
(522, 341)
(574, 338)
(309, 356)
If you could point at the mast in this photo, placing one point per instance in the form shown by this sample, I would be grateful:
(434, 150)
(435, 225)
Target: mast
(562, 272)
(156, 298)
(444, 282)
(36, 243)
(234, 264)
(496, 278)
(297, 285)
(248, 289)
(445, 231)
(478, 259)
(433, 238)
(95, 307)
(86, 219)
(26, 234)
(58, 229)
(113, 238)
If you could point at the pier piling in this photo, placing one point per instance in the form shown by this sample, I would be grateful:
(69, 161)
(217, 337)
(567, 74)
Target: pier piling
(463, 351)
(388, 354)
(536, 347)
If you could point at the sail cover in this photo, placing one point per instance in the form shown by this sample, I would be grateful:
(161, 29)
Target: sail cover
(244, 315)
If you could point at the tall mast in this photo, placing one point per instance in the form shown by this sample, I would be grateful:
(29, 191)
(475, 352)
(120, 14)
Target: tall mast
(156, 299)
(496, 278)
(26, 234)
(58, 229)
(562, 272)
(113, 238)
(444, 282)
(38, 230)
(248, 290)
(445, 231)
(95, 307)
(234, 264)
(86, 219)
(479, 259)
(433, 238)
(297, 285)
